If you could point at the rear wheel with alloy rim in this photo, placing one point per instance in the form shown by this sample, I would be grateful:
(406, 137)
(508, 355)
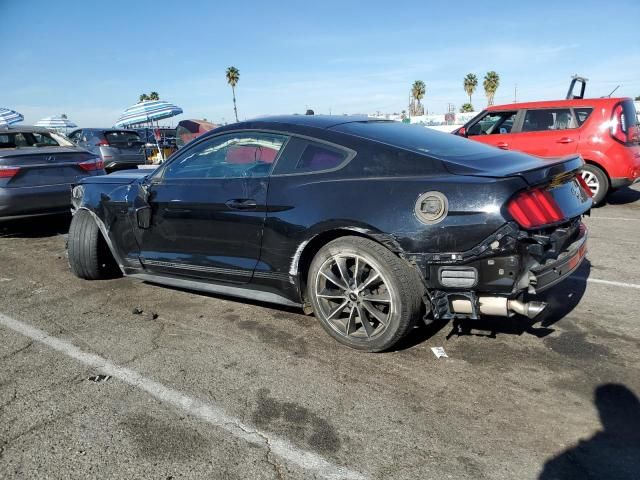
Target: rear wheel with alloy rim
(597, 182)
(364, 295)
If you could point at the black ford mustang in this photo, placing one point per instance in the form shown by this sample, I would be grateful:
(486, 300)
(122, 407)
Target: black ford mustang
(369, 224)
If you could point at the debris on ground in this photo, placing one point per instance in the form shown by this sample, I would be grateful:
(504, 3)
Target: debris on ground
(99, 378)
(137, 311)
(150, 315)
(439, 352)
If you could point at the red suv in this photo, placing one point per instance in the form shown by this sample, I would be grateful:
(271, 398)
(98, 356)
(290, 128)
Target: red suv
(602, 130)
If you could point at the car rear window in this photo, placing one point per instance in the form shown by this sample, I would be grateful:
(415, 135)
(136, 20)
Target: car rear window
(629, 118)
(44, 139)
(121, 137)
(419, 139)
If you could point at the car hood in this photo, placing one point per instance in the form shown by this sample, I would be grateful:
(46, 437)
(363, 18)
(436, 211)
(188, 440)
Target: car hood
(532, 169)
(122, 177)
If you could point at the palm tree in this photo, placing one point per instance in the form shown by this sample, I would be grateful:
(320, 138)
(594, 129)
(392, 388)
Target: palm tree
(491, 84)
(233, 76)
(418, 91)
(154, 96)
(466, 107)
(143, 98)
(470, 84)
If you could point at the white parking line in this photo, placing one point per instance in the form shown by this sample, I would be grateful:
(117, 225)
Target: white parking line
(204, 411)
(610, 282)
(616, 218)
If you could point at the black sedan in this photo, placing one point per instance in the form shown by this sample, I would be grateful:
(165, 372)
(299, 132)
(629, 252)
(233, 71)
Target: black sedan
(371, 225)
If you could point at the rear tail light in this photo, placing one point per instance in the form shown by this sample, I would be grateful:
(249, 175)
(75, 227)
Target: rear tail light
(102, 143)
(584, 185)
(534, 208)
(92, 165)
(618, 128)
(8, 172)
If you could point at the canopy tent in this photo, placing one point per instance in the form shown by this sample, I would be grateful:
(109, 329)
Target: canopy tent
(147, 112)
(56, 122)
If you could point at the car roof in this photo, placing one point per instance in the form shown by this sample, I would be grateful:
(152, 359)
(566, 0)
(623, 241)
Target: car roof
(110, 129)
(23, 128)
(577, 102)
(314, 121)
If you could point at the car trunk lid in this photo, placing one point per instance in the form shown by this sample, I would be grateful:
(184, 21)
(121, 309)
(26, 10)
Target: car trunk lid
(534, 170)
(554, 192)
(32, 166)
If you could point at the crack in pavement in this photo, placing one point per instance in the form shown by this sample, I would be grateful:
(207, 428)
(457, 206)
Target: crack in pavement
(21, 349)
(34, 428)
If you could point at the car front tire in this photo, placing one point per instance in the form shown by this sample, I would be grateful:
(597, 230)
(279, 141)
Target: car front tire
(89, 255)
(597, 181)
(364, 296)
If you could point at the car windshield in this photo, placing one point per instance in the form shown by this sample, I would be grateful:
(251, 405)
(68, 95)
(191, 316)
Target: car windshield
(419, 139)
(27, 139)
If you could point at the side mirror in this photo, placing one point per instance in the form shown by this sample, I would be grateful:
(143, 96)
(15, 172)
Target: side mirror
(143, 216)
(462, 132)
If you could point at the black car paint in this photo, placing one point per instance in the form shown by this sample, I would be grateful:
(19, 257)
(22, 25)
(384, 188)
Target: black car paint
(196, 238)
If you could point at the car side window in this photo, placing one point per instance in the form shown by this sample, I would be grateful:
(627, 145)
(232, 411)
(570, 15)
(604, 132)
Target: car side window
(316, 157)
(245, 154)
(582, 114)
(493, 123)
(21, 140)
(303, 155)
(548, 119)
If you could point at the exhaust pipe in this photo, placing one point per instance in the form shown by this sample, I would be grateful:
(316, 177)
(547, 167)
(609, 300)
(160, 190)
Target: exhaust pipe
(499, 307)
(530, 309)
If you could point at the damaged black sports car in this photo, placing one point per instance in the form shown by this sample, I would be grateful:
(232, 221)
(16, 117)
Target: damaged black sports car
(371, 225)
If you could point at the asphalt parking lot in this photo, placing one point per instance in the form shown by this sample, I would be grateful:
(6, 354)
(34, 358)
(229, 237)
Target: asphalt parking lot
(198, 386)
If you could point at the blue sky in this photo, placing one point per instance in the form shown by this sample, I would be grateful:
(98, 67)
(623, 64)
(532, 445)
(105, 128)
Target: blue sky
(93, 59)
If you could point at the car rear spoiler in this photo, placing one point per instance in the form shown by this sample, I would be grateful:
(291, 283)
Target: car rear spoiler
(533, 170)
(556, 169)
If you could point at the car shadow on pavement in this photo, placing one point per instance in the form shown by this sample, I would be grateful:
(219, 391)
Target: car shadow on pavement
(36, 227)
(561, 300)
(623, 196)
(614, 451)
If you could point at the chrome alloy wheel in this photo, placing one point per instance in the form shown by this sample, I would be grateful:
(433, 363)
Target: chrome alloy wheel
(354, 297)
(592, 182)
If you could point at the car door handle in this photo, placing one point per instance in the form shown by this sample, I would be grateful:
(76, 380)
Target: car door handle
(242, 204)
(503, 145)
(566, 140)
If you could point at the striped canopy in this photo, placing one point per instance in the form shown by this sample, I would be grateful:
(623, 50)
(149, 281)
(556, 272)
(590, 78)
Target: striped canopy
(7, 117)
(55, 122)
(147, 111)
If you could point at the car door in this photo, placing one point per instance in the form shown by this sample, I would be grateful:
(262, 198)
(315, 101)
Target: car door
(494, 128)
(208, 206)
(547, 132)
